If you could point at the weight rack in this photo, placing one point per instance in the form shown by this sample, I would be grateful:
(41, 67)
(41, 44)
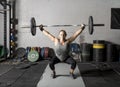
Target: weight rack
(12, 25)
(12, 33)
(3, 3)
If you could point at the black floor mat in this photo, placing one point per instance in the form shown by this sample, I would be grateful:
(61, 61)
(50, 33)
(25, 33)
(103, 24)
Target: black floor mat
(115, 66)
(4, 68)
(32, 76)
(23, 77)
(94, 77)
(10, 77)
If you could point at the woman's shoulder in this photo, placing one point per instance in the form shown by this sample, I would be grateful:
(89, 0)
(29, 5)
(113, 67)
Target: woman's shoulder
(56, 40)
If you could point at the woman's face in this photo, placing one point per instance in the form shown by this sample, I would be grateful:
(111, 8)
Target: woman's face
(62, 35)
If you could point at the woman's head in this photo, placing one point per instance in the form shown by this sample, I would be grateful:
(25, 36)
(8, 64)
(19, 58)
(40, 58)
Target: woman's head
(62, 34)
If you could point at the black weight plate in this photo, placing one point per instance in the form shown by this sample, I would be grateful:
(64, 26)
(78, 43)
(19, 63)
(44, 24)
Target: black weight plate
(42, 52)
(90, 25)
(20, 52)
(33, 26)
(46, 52)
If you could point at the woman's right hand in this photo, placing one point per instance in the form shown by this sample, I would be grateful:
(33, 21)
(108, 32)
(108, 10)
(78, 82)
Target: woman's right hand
(41, 27)
(82, 26)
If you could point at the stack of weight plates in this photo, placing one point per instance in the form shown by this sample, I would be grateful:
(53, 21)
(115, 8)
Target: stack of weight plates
(99, 50)
(45, 52)
(86, 51)
(34, 54)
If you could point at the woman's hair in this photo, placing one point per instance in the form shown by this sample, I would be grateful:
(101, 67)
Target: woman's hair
(64, 32)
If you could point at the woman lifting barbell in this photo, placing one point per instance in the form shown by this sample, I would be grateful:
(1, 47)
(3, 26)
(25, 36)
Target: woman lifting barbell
(61, 49)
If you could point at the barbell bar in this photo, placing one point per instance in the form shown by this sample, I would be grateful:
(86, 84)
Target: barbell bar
(65, 25)
(90, 25)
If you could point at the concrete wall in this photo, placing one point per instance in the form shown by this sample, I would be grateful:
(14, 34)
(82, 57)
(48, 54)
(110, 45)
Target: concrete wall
(51, 12)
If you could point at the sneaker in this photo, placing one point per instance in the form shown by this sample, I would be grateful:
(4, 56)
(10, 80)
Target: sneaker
(54, 75)
(72, 75)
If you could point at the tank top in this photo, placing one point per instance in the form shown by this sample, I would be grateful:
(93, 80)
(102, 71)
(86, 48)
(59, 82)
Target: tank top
(62, 51)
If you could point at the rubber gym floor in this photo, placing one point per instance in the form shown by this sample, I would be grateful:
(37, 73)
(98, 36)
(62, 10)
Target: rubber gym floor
(26, 74)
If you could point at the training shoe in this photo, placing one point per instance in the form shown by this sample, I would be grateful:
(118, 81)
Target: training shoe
(54, 75)
(72, 75)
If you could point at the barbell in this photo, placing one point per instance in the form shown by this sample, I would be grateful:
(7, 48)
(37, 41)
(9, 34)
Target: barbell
(33, 25)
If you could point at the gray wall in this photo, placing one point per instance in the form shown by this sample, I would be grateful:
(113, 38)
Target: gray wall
(65, 12)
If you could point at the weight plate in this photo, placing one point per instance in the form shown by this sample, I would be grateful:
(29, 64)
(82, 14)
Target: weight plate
(13, 31)
(46, 52)
(13, 38)
(74, 47)
(32, 49)
(20, 52)
(51, 53)
(13, 43)
(33, 26)
(90, 25)
(27, 51)
(33, 56)
(35, 48)
(42, 52)
(38, 49)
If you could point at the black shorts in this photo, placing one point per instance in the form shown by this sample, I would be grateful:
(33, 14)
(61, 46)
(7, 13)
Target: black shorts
(68, 60)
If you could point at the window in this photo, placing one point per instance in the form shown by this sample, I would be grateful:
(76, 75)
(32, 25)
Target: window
(115, 18)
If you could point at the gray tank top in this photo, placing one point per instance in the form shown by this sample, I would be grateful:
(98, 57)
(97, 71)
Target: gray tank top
(62, 51)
